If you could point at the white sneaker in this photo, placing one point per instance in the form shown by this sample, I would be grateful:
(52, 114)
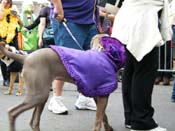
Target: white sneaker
(158, 129)
(85, 103)
(56, 106)
(155, 129)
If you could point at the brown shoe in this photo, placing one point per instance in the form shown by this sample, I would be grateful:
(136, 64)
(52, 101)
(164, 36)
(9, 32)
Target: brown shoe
(158, 80)
(166, 81)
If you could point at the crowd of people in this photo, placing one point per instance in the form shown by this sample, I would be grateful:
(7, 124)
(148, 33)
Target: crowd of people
(134, 25)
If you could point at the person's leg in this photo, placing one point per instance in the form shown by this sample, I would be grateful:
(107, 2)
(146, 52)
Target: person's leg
(90, 32)
(83, 34)
(141, 95)
(126, 89)
(57, 87)
(173, 93)
(87, 32)
(167, 63)
(55, 104)
(5, 74)
(160, 62)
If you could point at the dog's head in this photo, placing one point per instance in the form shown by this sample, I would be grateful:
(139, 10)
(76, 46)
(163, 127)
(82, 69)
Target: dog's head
(96, 42)
(111, 46)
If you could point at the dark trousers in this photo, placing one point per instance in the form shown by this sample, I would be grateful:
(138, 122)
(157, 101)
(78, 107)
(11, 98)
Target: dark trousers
(5, 72)
(137, 86)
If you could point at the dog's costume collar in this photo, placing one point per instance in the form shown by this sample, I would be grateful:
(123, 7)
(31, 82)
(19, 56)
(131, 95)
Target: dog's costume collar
(114, 49)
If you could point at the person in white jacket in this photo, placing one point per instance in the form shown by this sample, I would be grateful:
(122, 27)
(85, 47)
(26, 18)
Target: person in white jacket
(136, 26)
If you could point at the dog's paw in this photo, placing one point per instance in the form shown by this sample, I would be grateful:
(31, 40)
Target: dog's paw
(7, 93)
(109, 129)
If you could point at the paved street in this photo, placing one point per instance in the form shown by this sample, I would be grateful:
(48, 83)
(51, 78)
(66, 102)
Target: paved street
(83, 120)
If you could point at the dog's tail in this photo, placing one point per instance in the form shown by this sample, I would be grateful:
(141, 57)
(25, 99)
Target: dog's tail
(18, 57)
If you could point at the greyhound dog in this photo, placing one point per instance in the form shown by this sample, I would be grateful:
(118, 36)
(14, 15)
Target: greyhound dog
(40, 68)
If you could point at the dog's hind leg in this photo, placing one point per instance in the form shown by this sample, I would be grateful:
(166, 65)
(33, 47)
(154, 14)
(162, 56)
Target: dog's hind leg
(15, 111)
(101, 102)
(12, 81)
(35, 120)
(26, 105)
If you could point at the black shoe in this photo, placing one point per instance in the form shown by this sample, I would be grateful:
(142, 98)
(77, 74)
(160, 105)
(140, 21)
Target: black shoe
(166, 81)
(158, 80)
(173, 100)
(6, 83)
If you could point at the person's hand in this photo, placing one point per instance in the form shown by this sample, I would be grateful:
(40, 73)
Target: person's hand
(25, 29)
(13, 13)
(59, 17)
(40, 43)
(1, 12)
(102, 9)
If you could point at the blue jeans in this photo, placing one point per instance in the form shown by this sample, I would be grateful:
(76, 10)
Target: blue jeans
(173, 92)
(82, 33)
(173, 29)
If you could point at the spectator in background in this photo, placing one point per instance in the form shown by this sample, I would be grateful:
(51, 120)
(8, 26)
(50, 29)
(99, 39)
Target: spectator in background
(30, 38)
(173, 41)
(165, 63)
(106, 19)
(9, 21)
(80, 19)
(43, 22)
(165, 55)
(173, 93)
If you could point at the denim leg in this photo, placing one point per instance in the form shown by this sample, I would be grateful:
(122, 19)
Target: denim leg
(55, 26)
(173, 92)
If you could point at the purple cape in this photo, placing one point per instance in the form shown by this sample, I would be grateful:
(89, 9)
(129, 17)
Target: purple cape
(94, 72)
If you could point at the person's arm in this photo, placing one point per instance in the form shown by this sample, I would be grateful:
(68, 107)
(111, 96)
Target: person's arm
(34, 24)
(120, 3)
(1, 11)
(41, 29)
(19, 21)
(58, 10)
(102, 13)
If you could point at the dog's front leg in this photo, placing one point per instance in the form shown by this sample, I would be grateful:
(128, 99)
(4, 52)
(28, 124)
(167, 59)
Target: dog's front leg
(107, 127)
(101, 107)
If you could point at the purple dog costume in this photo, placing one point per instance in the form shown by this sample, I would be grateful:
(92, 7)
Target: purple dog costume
(94, 72)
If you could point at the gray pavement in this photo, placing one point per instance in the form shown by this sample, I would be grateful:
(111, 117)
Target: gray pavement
(83, 120)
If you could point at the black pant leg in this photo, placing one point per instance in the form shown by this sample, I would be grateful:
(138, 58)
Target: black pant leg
(141, 93)
(126, 88)
(5, 73)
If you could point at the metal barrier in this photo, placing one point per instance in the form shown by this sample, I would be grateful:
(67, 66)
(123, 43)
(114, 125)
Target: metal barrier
(165, 58)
